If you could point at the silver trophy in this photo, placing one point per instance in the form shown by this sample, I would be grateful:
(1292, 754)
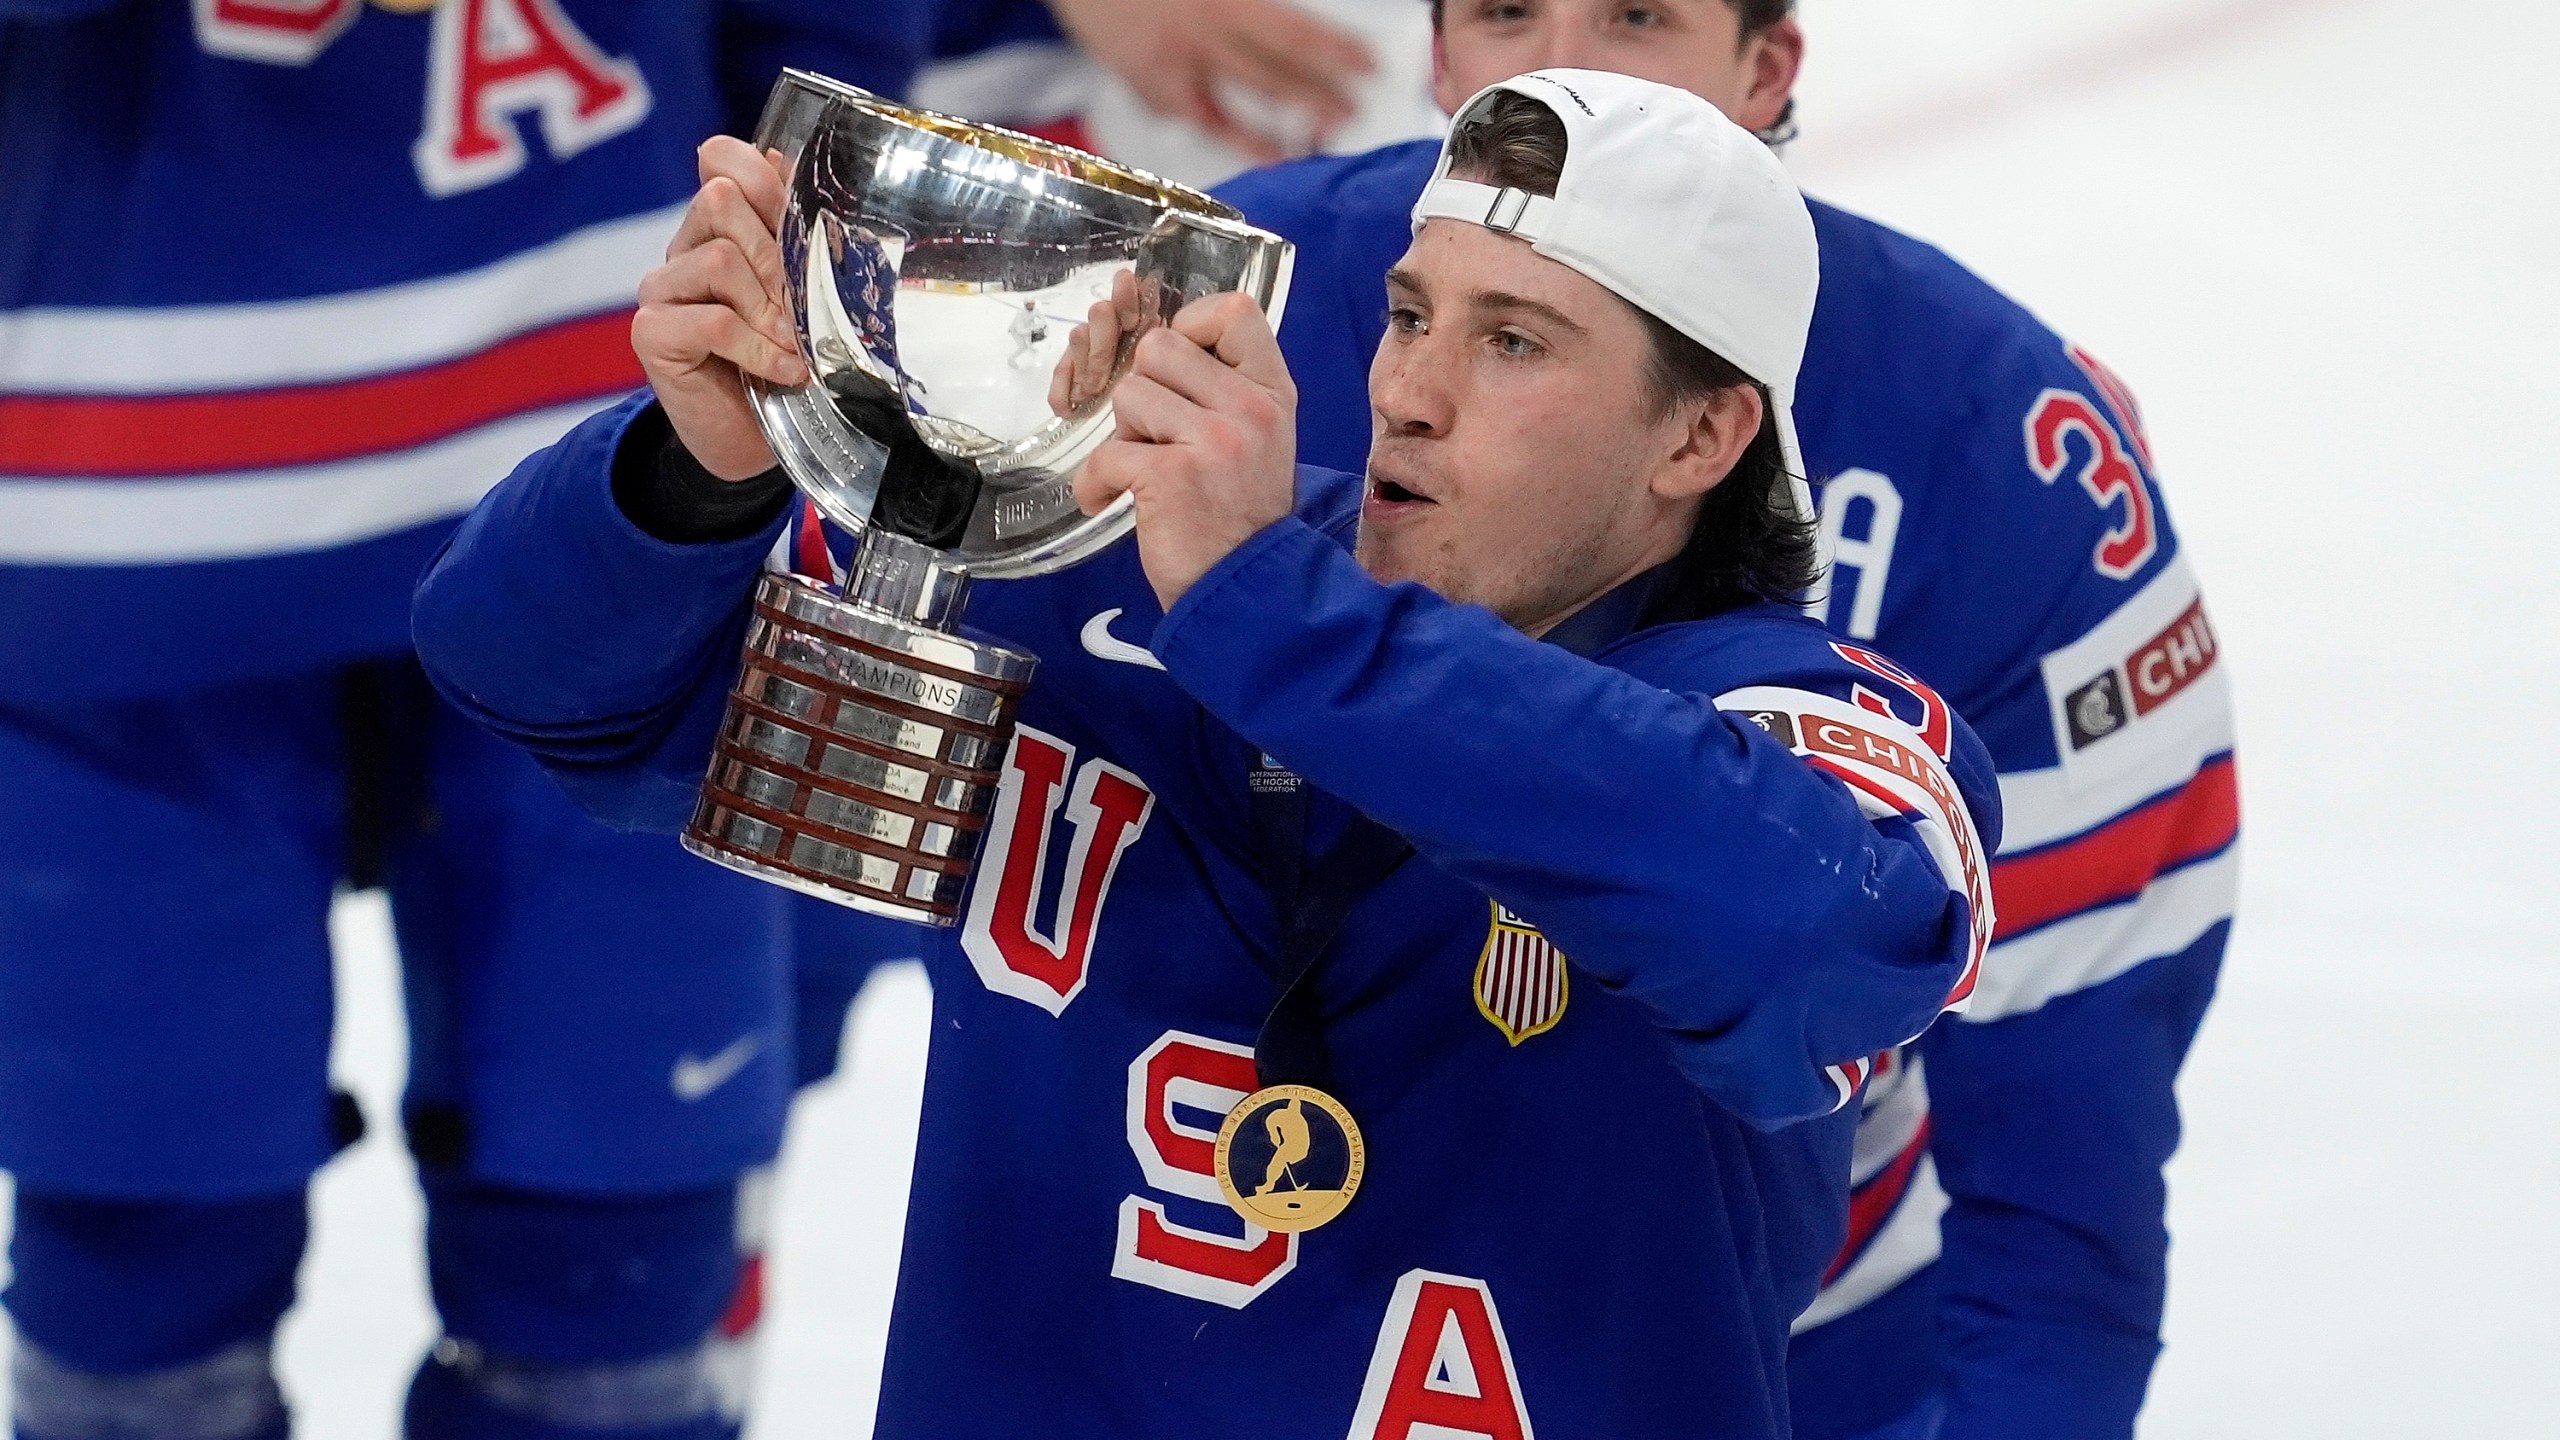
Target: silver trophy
(935, 269)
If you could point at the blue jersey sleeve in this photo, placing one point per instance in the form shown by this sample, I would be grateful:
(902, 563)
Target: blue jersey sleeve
(1991, 496)
(559, 625)
(1778, 929)
(2053, 1100)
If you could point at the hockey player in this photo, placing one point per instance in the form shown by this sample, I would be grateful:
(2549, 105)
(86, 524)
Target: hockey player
(1340, 781)
(283, 283)
(1989, 497)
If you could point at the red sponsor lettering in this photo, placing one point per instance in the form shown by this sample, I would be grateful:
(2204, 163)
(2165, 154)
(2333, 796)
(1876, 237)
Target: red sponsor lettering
(2172, 660)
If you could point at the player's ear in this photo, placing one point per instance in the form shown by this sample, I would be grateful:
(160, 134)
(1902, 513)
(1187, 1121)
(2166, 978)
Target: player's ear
(1713, 432)
(1771, 60)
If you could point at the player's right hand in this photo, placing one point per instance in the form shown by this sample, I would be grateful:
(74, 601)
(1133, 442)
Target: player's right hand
(715, 311)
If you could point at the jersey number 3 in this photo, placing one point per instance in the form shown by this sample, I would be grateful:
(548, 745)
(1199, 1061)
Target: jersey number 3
(2107, 471)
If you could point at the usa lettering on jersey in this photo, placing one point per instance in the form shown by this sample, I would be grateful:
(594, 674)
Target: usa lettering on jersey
(1107, 809)
(1442, 1368)
(491, 66)
(1206, 1078)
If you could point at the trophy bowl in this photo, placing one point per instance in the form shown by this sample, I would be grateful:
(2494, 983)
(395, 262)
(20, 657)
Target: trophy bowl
(935, 269)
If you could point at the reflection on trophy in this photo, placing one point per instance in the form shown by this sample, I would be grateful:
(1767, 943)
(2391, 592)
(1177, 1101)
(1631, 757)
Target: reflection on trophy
(935, 269)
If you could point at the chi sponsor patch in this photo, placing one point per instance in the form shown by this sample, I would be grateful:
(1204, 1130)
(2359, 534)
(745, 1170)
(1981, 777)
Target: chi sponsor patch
(1521, 984)
(2155, 673)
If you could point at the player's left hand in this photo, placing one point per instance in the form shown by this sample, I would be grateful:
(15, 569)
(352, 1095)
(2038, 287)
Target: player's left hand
(1204, 440)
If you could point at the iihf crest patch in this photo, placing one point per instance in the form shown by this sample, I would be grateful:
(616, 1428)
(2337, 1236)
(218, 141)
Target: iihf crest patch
(1520, 978)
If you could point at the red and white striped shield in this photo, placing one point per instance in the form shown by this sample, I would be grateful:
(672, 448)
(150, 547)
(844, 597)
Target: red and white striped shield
(1520, 978)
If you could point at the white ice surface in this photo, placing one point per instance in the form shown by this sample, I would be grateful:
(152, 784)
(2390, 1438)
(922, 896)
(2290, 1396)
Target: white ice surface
(2319, 239)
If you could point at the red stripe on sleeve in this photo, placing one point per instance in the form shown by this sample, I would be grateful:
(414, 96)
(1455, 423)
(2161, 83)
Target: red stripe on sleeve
(2116, 860)
(144, 435)
(1871, 1203)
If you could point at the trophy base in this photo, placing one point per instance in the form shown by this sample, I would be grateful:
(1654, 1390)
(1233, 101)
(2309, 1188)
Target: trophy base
(860, 754)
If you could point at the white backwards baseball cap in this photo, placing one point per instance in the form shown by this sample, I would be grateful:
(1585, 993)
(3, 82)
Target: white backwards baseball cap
(1675, 209)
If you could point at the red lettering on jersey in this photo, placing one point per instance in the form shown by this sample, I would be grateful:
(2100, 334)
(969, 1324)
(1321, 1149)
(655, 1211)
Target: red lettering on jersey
(1936, 729)
(278, 32)
(2108, 475)
(1208, 1077)
(2119, 395)
(1442, 1367)
(1108, 808)
(2172, 660)
(494, 59)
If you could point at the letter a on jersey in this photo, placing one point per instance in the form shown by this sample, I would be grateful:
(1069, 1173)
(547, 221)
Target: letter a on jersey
(1442, 1369)
(1108, 809)
(493, 60)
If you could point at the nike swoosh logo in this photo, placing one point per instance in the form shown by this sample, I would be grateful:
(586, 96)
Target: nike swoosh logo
(1101, 644)
(694, 1079)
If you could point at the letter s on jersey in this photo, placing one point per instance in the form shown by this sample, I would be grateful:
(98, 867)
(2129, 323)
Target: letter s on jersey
(489, 61)
(1442, 1367)
(1108, 808)
(1210, 1077)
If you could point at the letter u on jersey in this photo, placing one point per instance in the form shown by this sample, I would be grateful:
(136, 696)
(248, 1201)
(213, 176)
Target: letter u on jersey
(1107, 809)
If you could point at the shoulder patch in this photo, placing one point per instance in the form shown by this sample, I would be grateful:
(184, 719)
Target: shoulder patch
(1891, 770)
(1521, 983)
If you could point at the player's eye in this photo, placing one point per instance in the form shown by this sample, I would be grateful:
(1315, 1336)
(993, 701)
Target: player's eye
(1513, 345)
(1502, 12)
(1404, 320)
(1642, 17)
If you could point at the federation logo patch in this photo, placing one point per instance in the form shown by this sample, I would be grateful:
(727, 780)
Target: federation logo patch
(1520, 978)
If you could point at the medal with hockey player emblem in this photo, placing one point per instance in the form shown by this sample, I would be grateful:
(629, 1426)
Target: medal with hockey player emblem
(1520, 978)
(1289, 1158)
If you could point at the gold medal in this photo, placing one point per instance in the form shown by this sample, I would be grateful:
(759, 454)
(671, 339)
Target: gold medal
(1290, 1157)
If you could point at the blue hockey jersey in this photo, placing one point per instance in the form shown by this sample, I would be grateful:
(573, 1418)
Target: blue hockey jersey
(1988, 494)
(1597, 1192)
(285, 283)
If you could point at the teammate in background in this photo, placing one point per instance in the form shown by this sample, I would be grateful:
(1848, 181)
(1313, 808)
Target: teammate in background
(1195, 91)
(1989, 496)
(285, 283)
(1587, 1210)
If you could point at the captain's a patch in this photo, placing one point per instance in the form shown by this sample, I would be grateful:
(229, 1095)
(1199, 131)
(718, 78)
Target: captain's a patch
(1520, 978)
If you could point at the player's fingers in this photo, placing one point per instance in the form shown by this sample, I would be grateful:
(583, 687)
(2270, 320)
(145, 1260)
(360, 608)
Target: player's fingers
(1233, 328)
(1320, 90)
(1214, 120)
(686, 336)
(719, 273)
(1147, 411)
(759, 175)
(721, 210)
(1175, 362)
(1062, 379)
(1108, 474)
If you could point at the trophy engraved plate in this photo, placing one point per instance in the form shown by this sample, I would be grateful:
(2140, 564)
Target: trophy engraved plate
(935, 270)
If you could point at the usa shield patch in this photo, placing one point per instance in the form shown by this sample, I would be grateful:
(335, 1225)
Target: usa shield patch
(1520, 978)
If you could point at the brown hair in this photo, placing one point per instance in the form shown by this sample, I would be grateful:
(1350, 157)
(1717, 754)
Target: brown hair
(1748, 541)
(1757, 15)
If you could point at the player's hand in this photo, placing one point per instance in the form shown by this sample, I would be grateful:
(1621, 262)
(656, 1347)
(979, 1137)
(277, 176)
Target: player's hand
(715, 311)
(1176, 54)
(1093, 348)
(1204, 441)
